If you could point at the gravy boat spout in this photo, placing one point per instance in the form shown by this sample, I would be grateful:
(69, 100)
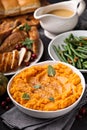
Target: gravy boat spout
(57, 23)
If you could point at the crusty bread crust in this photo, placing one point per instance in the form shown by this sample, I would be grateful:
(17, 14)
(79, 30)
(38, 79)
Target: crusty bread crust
(17, 7)
(11, 7)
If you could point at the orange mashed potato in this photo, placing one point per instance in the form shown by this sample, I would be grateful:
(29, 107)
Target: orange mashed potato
(34, 88)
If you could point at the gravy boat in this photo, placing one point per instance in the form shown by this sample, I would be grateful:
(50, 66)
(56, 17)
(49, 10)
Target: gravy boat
(56, 24)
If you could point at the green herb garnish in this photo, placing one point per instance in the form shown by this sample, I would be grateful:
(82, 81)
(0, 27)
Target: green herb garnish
(21, 28)
(28, 43)
(51, 98)
(51, 71)
(25, 27)
(26, 96)
(37, 86)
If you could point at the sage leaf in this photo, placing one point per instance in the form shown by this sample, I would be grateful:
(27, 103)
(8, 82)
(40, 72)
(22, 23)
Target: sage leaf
(51, 71)
(26, 96)
(37, 86)
(21, 28)
(28, 43)
(25, 27)
(51, 98)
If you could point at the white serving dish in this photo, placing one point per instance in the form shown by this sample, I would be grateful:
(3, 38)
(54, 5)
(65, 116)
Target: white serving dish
(40, 53)
(59, 40)
(48, 114)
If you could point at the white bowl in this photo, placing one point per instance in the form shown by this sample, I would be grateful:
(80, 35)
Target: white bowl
(48, 114)
(59, 41)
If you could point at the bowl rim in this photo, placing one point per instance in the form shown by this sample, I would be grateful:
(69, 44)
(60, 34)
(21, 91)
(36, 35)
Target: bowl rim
(47, 62)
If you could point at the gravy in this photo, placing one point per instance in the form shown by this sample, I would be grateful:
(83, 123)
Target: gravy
(62, 12)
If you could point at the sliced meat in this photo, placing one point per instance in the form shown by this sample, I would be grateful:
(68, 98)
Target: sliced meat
(4, 35)
(33, 22)
(15, 59)
(6, 28)
(9, 61)
(11, 41)
(5, 55)
(34, 35)
(2, 63)
(4, 31)
(27, 56)
(17, 28)
(22, 54)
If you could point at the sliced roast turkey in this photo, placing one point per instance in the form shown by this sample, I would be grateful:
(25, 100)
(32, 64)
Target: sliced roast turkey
(10, 42)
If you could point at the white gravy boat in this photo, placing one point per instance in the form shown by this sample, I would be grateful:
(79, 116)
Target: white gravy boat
(57, 24)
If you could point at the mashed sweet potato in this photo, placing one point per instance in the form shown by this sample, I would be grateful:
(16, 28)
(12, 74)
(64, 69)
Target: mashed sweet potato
(34, 88)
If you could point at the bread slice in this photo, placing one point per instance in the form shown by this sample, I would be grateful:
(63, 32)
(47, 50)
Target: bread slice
(17, 7)
(11, 7)
(27, 6)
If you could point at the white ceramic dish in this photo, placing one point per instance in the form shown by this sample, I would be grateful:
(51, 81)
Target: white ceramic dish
(49, 35)
(59, 40)
(48, 114)
(56, 24)
(41, 49)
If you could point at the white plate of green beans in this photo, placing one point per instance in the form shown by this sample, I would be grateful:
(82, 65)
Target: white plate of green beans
(70, 47)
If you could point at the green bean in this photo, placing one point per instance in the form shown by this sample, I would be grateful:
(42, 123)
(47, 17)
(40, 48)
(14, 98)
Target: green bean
(76, 39)
(79, 65)
(82, 50)
(70, 57)
(66, 40)
(57, 52)
(74, 51)
(78, 54)
(64, 47)
(81, 59)
(68, 49)
(61, 53)
(83, 55)
(71, 36)
(73, 42)
(83, 38)
(84, 64)
(83, 41)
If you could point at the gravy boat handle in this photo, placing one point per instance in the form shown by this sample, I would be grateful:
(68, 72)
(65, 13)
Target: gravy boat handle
(81, 5)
